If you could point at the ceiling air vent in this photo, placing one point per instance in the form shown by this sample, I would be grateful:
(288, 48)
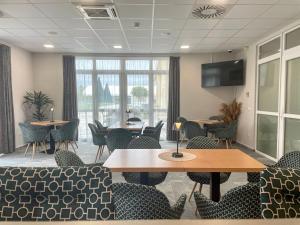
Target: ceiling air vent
(208, 12)
(102, 12)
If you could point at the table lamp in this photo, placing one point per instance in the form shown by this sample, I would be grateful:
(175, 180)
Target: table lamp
(176, 127)
(52, 117)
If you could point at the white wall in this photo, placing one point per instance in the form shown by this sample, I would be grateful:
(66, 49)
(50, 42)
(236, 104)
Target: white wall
(22, 81)
(197, 102)
(48, 78)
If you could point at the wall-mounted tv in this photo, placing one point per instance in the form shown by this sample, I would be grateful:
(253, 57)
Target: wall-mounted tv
(228, 73)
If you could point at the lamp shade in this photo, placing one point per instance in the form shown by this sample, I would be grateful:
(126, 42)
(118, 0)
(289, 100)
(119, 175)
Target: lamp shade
(177, 126)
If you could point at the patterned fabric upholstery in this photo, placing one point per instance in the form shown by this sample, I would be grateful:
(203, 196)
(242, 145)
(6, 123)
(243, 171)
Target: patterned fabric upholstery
(118, 139)
(145, 142)
(34, 133)
(227, 132)
(98, 136)
(67, 158)
(193, 129)
(280, 193)
(239, 203)
(44, 194)
(202, 142)
(289, 160)
(137, 202)
(154, 132)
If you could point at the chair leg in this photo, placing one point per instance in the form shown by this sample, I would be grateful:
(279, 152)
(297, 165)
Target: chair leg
(226, 143)
(33, 150)
(76, 144)
(230, 143)
(27, 149)
(193, 190)
(73, 147)
(98, 153)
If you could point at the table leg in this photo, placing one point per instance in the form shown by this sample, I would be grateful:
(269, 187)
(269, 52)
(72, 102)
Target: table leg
(52, 142)
(215, 186)
(144, 178)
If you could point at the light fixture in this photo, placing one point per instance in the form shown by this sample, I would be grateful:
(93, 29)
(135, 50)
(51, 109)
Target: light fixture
(48, 46)
(184, 46)
(117, 46)
(176, 127)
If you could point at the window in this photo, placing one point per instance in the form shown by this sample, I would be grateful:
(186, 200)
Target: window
(108, 87)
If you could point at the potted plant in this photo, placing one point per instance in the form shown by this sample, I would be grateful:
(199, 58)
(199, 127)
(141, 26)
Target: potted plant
(231, 111)
(41, 103)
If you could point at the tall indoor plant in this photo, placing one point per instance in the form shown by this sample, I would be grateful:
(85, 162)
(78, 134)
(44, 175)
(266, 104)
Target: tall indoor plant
(41, 103)
(231, 111)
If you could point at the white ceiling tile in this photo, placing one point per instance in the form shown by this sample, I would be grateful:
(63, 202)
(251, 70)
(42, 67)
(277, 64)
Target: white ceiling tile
(38, 23)
(163, 41)
(138, 33)
(241, 41)
(80, 33)
(11, 23)
(288, 2)
(109, 33)
(104, 24)
(4, 33)
(23, 32)
(218, 2)
(188, 41)
(59, 10)
(172, 11)
(165, 33)
(138, 41)
(143, 23)
(265, 23)
(232, 24)
(21, 10)
(282, 11)
(14, 1)
(250, 33)
(178, 2)
(222, 33)
(213, 41)
(168, 24)
(67, 23)
(200, 24)
(49, 1)
(134, 2)
(45, 32)
(134, 11)
(193, 33)
(256, 2)
(246, 11)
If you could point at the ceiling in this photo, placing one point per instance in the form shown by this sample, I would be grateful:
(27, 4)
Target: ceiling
(165, 25)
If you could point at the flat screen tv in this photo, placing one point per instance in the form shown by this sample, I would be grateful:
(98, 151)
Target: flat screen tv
(228, 73)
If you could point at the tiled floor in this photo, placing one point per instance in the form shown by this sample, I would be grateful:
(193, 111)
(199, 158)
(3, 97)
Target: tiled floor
(174, 185)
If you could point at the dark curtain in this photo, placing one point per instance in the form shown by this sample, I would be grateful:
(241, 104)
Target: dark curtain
(7, 120)
(70, 92)
(174, 96)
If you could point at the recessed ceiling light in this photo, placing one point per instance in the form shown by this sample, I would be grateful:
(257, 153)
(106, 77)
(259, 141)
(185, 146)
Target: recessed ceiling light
(184, 46)
(117, 46)
(48, 46)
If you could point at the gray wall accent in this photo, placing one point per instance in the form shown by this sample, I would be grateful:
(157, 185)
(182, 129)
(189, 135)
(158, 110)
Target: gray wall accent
(7, 120)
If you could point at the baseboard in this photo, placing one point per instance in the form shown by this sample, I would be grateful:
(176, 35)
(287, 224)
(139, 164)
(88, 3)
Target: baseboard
(246, 146)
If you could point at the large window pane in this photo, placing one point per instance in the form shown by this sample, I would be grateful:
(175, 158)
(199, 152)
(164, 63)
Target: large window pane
(292, 87)
(267, 134)
(85, 104)
(108, 64)
(108, 98)
(270, 48)
(292, 39)
(137, 64)
(84, 64)
(268, 84)
(161, 64)
(292, 135)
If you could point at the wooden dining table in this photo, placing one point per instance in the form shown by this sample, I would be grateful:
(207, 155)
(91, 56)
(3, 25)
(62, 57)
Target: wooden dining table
(213, 161)
(131, 126)
(52, 124)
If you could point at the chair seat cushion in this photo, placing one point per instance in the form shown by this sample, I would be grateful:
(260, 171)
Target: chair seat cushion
(153, 178)
(204, 178)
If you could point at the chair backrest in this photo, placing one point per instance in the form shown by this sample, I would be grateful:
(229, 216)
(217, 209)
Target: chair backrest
(144, 142)
(216, 117)
(181, 119)
(98, 135)
(289, 160)
(193, 129)
(158, 124)
(279, 193)
(69, 130)
(100, 125)
(201, 142)
(241, 202)
(133, 202)
(134, 119)
(118, 139)
(57, 194)
(67, 158)
(33, 133)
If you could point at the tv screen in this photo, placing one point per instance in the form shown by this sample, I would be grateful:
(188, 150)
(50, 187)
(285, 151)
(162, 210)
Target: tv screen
(229, 73)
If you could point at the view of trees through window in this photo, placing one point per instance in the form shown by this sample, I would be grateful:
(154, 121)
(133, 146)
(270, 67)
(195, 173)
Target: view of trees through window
(108, 87)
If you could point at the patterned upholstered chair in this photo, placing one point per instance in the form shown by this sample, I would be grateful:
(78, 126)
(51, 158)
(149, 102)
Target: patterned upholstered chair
(118, 139)
(55, 194)
(67, 158)
(145, 142)
(212, 127)
(239, 203)
(139, 202)
(193, 129)
(227, 133)
(98, 139)
(100, 126)
(154, 132)
(134, 119)
(279, 193)
(66, 134)
(289, 160)
(203, 178)
(35, 136)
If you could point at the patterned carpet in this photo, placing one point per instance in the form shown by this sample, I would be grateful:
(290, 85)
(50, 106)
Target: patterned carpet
(174, 185)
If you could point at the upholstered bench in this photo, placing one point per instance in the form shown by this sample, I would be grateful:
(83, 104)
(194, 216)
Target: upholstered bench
(45, 194)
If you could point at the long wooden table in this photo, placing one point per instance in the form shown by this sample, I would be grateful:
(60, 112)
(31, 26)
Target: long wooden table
(131, 126)
(52, 125)
(166, 222)
(213, 161)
